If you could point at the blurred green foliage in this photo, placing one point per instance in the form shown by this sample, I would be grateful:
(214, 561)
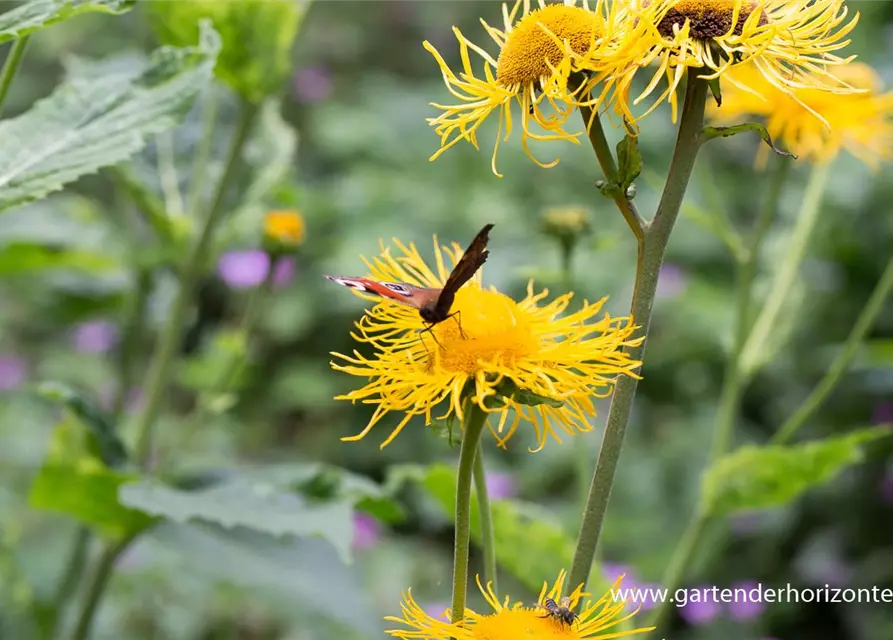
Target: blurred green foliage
(255, 504)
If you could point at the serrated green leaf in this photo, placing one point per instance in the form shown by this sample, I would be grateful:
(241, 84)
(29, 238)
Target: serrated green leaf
(261, 506)
(75, 482)
(21, 257)
(629, 161)
(257, 38)
(37, 14)
(87, 124)
(109, 447)
(759, 477)
(709, 133)
(529, 544)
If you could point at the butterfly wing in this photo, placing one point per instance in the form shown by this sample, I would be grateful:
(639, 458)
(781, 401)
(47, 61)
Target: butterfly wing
(475, 255)
(407, 294)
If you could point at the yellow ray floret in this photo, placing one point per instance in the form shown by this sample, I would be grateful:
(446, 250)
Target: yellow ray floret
(569, 358)
(860, 123)
(599, 619)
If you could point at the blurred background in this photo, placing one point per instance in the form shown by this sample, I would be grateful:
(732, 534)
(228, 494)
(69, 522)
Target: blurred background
(350, 154)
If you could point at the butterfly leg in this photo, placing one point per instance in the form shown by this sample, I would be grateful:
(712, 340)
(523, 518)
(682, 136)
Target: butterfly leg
(453, 315)
(428, 329)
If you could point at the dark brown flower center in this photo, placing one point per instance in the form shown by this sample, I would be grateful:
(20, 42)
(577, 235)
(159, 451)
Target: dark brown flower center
(709, 18)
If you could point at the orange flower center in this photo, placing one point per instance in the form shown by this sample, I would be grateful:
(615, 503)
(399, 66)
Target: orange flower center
(528, 47)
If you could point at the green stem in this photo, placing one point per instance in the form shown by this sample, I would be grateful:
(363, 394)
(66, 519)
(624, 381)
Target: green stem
(843, 360)
(753, 350)
(734, 379)
(652, 247)
(167, 172)
(471, 437)
(98, 582)
(203, 153)
(11, 67)
(488, 540)
(71, 577)
(602, 150)
(148, 203)
(134, 329)
(159, 369)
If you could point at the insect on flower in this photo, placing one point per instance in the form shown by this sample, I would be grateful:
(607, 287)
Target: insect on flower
(433, 304)
(562, 613)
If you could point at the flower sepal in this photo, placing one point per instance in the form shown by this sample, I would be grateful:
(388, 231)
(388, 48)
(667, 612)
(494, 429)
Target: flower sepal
(709, 133)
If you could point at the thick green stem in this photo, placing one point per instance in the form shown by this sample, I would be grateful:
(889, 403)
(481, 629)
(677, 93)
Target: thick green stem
(652, 247)
(752, 354)
(159, 369)
(843, 360)
(488, 540)
(11, 67)
(471, 437)
(98, 582)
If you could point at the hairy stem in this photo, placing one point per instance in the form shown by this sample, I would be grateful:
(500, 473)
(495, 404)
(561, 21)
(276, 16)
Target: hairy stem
(652, 247)
(843, 360)
(159, 369)
(203, 153)
(11, 67)
(488, 540)
(471, 437)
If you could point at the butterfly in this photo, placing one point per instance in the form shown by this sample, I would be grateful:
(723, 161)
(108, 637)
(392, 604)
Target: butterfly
(433, 304)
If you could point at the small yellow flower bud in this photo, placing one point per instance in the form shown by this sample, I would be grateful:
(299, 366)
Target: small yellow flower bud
(284, 229)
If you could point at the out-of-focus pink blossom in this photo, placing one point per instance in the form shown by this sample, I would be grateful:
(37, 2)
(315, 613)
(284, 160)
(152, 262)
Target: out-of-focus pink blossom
(366, 530)
(97, 336)
(13, 372)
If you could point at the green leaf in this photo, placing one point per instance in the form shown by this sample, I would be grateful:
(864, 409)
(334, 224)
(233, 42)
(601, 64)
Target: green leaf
(715, 90)
(37, 14)
(241, 502)
(75, 482)
(709, 133)
(21, 257)
(529, 543)
(508, 389)
(629, 161)
(257, 38)
(109, 447)
(759, 477)
(90, 123)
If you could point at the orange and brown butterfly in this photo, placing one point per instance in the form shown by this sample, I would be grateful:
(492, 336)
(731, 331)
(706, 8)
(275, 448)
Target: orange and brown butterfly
(433, 304)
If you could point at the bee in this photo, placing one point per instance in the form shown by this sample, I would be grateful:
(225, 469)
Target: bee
(562, 613)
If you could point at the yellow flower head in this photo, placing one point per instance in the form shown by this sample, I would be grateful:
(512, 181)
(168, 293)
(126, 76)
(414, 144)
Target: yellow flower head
(492, 343)
(861, 123)
(790, 42)
(598, 620)
(543, 54)
(284, 227)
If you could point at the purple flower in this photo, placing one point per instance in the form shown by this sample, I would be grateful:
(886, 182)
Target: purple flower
(500, 486)
(13, 371)
(312, 84)
(671, 281)
(613, 570)
(886, 488)
(97, 336)
(883, 413)
(366, 530)
(700, 608)
(743, 605)
(283, 272)
(438, 611)
(247, 269)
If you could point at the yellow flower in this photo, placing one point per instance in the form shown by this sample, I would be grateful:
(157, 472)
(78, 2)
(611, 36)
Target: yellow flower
(598, 620)
(284, 227)
(543, 54)
(493, 341)
(790, 42)
(859, 123)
